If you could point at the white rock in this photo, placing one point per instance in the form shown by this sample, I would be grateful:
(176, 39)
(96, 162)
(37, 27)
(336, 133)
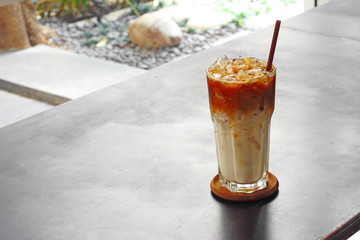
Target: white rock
(154, 30)
(209, 19)
(113, 16)
(176, 51)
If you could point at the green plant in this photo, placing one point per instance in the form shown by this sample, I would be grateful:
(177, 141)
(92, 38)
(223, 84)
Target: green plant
(224, 6)
(286, 2)
(268, 9)
(104, 31)
(102, 42)
(183, 22)
(242, 10)
(90, 42)
(239, 18)
(119, 29)
(61, 7)
(161, 4)
(131, 5)
(253, 11)
(105, 25)
(191, 30)
(145, 7)
(88, 34)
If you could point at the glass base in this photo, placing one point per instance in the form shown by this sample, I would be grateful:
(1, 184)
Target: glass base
(243, 187)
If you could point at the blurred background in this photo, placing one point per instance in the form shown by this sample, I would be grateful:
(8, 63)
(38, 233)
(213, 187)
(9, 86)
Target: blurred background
(41, 38)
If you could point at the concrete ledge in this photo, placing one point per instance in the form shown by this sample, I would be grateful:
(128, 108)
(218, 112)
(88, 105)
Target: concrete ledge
(14, 108)
(54, 76)
(32, 93)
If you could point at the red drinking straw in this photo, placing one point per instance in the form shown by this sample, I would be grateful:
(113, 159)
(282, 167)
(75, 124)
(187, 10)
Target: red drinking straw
(273, 45)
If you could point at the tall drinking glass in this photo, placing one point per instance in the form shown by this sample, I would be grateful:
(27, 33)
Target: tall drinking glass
(241, 96)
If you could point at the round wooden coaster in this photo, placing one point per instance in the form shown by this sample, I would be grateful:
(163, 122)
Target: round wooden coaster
(272, 186)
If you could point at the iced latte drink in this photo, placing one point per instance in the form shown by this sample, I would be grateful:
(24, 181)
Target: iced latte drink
(241, 95)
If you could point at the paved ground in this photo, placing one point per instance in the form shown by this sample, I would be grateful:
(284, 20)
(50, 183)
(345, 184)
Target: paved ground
(53, 76)
(14, 108)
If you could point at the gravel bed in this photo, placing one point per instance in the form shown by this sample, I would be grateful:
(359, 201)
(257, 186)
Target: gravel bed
(84, 37)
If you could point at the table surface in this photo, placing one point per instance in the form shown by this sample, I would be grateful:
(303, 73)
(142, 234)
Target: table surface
(135, 160)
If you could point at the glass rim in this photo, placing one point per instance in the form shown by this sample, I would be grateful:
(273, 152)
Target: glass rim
(271, 73)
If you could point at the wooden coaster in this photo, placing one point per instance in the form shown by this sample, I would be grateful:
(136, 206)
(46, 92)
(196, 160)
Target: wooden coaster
(272, 186)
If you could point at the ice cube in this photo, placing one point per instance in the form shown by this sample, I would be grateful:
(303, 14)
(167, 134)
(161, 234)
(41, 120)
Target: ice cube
(230, 68)
(244, 67)
(256, 72)
(242, 75)
(222, 71)
(229, 78)
(221, 61)
(255, 64)
(248, 61)
(239, 61)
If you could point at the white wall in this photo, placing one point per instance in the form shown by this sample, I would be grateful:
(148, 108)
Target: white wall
(308, 4)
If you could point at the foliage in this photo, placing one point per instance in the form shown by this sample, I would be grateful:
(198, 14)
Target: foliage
(102, 42)
(88, 34)
(145, 7)
(286, 2)
(130, 3)
(183, 22)
(228, 6)
(90, 42)
(104, 31)
(238, 18)
(76, 8)
(243, 9)
(191, 30)
(61, 7)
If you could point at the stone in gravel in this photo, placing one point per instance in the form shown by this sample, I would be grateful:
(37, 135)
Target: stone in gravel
(176, 51)
(128, 52)
(100, 54)
(112, 55)
(109, 47)
(232, 27)
(94, 38)
(163, 54)
(200, 38)
(168, 59)
(187, 50)
(154, 30)
(122, 44)
(117, 14)
(124, 50)
(211, 31)
(143, 65)
(113, 34)
(74, 34)
(198, 49)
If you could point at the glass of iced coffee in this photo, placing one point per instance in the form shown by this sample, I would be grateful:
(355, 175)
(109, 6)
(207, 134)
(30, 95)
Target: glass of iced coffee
(241, 96)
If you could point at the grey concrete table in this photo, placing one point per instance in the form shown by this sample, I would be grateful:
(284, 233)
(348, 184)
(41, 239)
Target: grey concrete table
(134, 161)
